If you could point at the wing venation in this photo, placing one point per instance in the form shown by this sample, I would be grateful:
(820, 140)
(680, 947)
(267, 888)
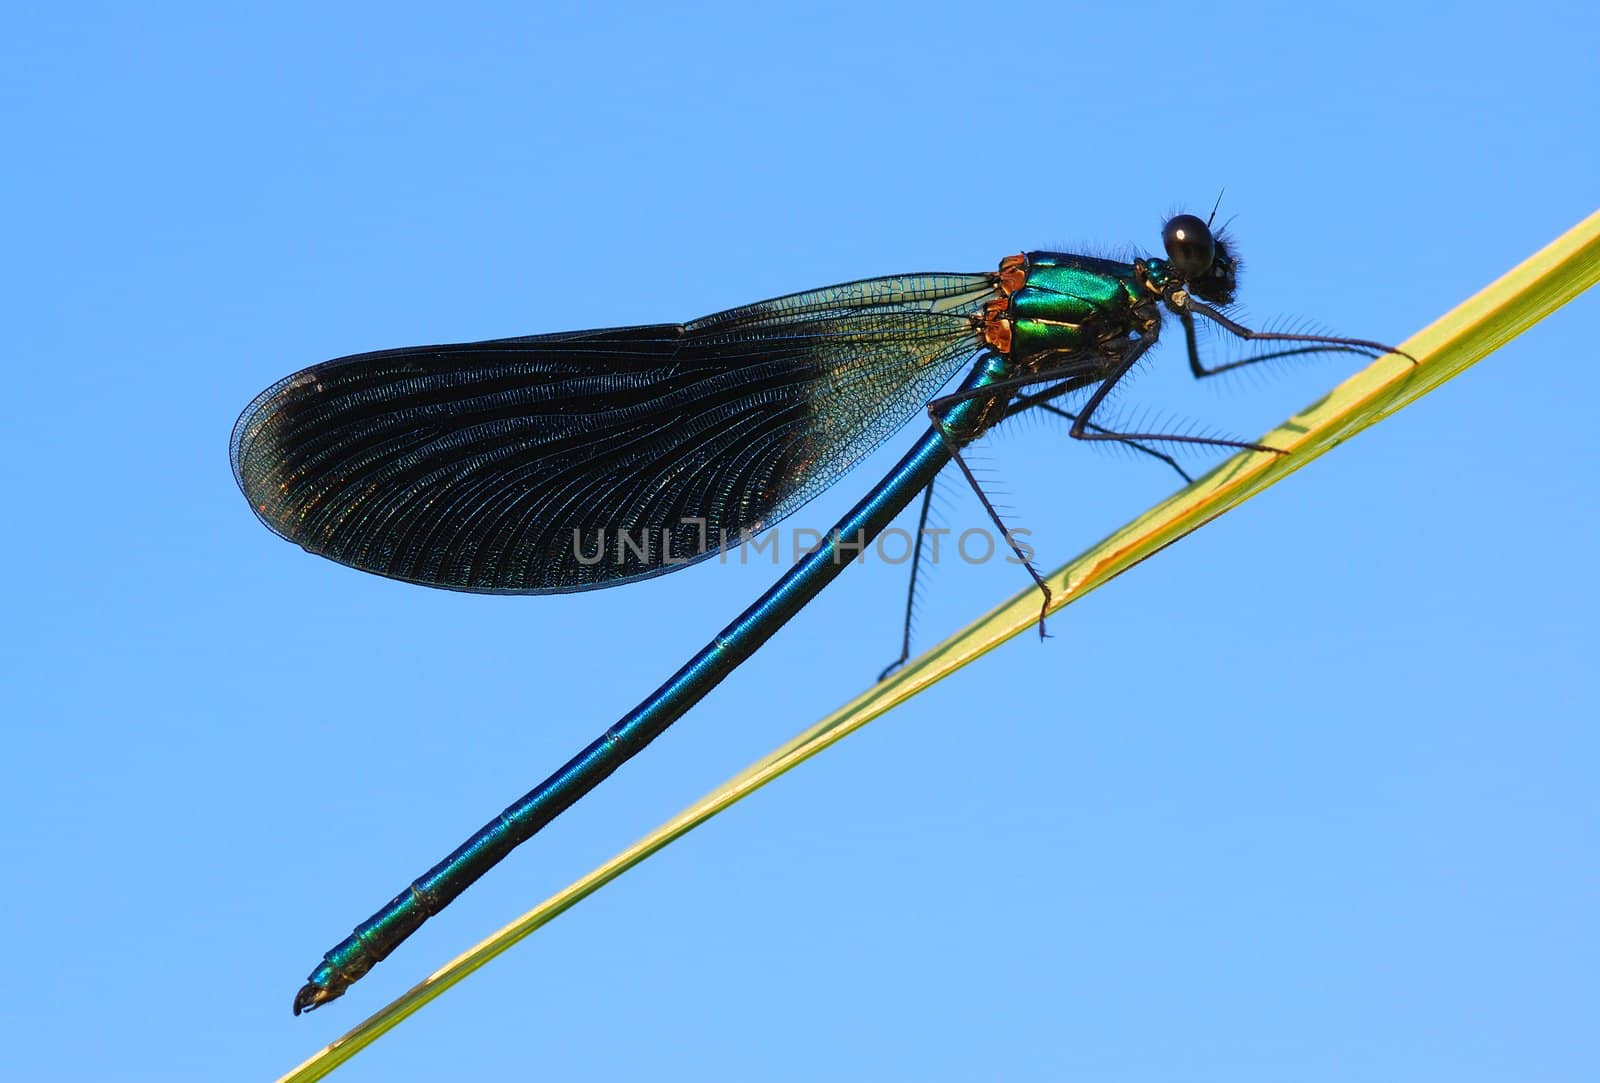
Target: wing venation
(567, 462)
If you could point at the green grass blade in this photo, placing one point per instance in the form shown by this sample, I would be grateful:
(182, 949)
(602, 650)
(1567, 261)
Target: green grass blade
(1462, 337)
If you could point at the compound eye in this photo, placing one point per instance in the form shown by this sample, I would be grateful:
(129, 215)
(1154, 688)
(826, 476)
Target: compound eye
(1190, 248)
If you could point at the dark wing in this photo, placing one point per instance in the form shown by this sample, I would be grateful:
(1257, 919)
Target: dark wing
(573, 461)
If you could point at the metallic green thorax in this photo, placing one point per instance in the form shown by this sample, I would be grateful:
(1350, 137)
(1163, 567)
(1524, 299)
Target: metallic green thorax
(1073, 302)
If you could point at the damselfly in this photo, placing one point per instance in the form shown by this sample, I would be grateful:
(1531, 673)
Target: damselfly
(487, 466)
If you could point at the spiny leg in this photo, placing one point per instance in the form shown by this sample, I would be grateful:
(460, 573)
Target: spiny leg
(1041, 401)
(1075, 377)
(1312, 344)
(934, 411)
(1200, 371)
(911, 588)
(1326, 342)
(1081, 427)
(1134, 444)
(1005, 532)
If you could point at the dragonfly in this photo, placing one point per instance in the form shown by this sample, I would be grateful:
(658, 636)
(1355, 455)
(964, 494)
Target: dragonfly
(506, 466)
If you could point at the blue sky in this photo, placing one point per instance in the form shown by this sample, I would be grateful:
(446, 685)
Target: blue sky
(1310, 795)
